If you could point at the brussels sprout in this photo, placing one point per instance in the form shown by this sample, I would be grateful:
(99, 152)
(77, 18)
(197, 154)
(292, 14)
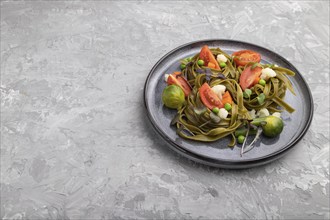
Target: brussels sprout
(173, 96)
(271, 125)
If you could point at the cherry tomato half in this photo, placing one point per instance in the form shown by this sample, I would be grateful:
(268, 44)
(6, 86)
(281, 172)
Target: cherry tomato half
(249, 77)
(207, 56)
(243, 57)
(209, 98)
(180, 81)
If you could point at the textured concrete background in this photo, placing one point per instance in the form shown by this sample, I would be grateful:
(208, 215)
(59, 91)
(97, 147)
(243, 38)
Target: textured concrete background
(75, 143)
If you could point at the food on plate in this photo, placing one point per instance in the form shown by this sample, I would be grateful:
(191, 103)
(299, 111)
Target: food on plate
(243, 57)
(271, 125)
(173, 96)
(217, 95)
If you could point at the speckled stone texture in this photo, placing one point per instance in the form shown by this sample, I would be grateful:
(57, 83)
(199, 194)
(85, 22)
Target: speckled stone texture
(75, 140)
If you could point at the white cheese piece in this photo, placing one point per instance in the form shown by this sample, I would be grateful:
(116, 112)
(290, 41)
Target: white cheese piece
(166, 77)
(263, 112)
(219, 90)
(267, 73)
(221, 58)
(252, 113)
(223, 113)
(277, 114)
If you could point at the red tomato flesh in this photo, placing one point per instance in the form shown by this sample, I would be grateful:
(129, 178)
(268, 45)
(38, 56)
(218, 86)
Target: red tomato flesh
(207, 56)
(175, 79)
(249, 77)
(209, 98)
(243, 57)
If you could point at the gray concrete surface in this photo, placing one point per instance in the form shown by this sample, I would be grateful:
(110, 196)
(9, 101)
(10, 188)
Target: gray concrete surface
(74, 139)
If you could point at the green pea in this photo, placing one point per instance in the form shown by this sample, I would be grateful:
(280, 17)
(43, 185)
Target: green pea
(262, 82)
(189, 59)
(247, 93)
(182, 66)
(223, 64)
(215, 110)
(241, 139)
(200, 62)
(228, 106)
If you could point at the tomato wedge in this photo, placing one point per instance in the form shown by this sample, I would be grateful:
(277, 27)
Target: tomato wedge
(243, 57)
(178, 80)
(209, 98)
(249, 77)
(207, 56)
(226, 98)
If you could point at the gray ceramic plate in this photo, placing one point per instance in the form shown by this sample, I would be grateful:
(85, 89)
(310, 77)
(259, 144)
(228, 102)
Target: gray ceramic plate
(217, 153)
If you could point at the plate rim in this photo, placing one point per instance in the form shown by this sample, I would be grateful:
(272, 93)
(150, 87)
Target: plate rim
(232, 162)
